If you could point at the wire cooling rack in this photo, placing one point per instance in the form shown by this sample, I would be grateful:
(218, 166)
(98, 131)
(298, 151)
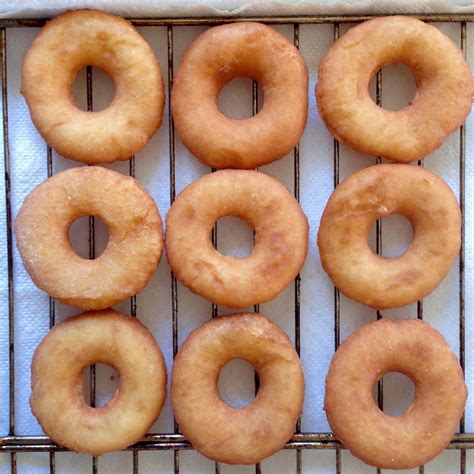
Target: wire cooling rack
(14, 444)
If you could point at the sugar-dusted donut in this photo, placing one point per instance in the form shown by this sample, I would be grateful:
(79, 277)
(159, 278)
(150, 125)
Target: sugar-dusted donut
(67, 44)
(443, 79)
(416, 350)
(376, 192)
(281, 237)
(217, 430)
(135, 236)
(216, 57)
(57, 399)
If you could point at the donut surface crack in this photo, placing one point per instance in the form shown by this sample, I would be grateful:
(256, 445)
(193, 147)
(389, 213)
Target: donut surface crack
(444, 88)
(376, 192)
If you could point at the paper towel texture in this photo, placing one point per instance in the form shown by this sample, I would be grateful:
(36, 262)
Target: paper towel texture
(149, 8)
(28, 169)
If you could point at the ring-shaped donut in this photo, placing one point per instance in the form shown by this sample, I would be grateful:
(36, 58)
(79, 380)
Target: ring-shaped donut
(71, 42)
(135, 237)
(216, 57)
(376, 192)
(281, 237)
(57, 399)
(443, 79)
(217, 430)
(416, 350)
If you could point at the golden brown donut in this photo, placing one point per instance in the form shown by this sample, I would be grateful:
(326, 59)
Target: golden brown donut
(281, 237)
(67, 44)
(416, 350)
(135, 237)
(443, 79)
(216, 57)
(217, 430)
(376, 192)
(57, 399)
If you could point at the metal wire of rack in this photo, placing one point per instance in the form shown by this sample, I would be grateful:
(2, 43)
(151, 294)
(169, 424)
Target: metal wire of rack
(175, 441)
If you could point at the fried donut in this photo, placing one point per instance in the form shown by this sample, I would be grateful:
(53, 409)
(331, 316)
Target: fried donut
(281, 237)
(376, 192)
(135, 240)
(217, 430)
(67, 44)
(216, 57)
(443, 79)
(57, 399)
(416, 350)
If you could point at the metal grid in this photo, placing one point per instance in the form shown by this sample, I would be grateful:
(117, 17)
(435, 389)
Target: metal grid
(175, 441)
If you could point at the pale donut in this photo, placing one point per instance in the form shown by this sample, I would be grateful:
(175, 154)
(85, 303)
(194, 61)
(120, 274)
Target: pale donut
(376, 192)
(216, 57)
(135, 237)
(57, 398)
(217, 430)
(281, 237)
(444, 88)
(65, 45)
(416, 350)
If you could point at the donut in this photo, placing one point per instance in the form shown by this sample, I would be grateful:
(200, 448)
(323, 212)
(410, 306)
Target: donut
(71, 42)
(371, 194)
(135, 237)
(57, 399)
(215, 58)
(281, 237)
(443, 79)
(217, 430)
(416, 350)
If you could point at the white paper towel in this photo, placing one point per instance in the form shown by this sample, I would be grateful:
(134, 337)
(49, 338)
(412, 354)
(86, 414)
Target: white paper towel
(28, 168)
(150, 8)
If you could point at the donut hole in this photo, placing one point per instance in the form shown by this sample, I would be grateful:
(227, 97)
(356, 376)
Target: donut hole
(237, 383)
(398, 85)
(79, 236)
(234, 237)
(397, 235)
(398, 393)
(106, 384)
(236, 98)
(103, 90)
